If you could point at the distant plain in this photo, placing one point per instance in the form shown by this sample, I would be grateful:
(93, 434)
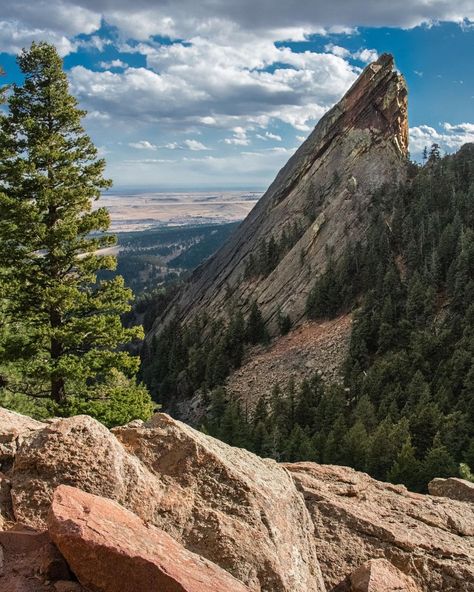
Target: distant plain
(142, 211)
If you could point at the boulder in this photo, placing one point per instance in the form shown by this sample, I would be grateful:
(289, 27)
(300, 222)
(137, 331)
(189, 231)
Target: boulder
(112, 550)
(228, 505)
(78, 451)
(357, 519)
(456, 489)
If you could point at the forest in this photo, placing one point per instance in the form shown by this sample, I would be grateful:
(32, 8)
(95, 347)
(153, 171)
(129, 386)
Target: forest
(405, 411)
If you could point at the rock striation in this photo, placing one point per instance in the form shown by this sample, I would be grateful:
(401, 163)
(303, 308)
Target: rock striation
(110, 549)
(326, 186)
(356, 518)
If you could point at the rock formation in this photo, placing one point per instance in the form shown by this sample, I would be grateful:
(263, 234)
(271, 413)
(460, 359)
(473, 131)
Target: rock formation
(218, 501)
(358, 146)
(112, 550)
(213, 511)
(357, 518)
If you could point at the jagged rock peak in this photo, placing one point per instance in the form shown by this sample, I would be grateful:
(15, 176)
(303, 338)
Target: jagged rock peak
(378, 101)
(358, 146)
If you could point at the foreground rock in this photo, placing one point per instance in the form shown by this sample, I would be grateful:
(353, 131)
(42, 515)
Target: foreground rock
(456, 489)
(82, 452)
(377, 575)
(223, 503)
(112, 550)
(228, 505)
(358, 518)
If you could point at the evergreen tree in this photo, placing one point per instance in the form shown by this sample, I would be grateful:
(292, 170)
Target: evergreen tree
(64, 335)
(255, 330)
(406, 469)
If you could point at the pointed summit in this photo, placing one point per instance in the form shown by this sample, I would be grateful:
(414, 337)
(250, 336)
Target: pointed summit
(316, 205)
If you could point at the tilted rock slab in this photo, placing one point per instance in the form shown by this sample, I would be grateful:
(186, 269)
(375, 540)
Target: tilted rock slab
(357, 518)
(356, 147)
(111, 550)
(454, 488)
(225, 504)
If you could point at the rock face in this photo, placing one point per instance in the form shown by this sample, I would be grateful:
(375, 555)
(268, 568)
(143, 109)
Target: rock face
(82, 452)
(359, 145)
(229, 506)
(357, 518)
(457, 489)
(112, 550)
(13, 429)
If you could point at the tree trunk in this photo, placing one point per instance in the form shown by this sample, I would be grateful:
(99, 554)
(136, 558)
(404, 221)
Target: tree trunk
(58, 391)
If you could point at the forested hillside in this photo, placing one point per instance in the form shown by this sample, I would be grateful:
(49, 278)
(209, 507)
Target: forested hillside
(406, 410)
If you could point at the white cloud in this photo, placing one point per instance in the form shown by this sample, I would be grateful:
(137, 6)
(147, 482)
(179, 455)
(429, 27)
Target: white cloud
(14, 36)
(450, 138)
(186, 18)
(269, 136)
(142, 145)
(113, 64)
(239, 138)
(337, 50)
(194, 145)
(364, 55)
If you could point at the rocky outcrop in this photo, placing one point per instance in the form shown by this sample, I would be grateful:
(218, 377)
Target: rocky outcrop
(225, 504)
(13, 429)
(357, 518)
(78, 451)
(228, 505)
(296, 527)
(456, 489)
(326, 187)
(111, 550)
(378, 575)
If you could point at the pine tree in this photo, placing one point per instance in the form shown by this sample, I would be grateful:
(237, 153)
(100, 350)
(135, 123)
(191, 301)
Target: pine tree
(255, 329)
(406, 468)
(64, 339)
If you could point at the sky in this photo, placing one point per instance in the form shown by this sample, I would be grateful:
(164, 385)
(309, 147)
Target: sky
(217, 94)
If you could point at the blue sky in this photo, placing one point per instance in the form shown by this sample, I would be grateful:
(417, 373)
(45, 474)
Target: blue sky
(218, 94)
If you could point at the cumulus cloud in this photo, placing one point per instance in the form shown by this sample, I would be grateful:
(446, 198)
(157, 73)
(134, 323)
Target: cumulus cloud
(364, 55)
(185, 18)
(113, 64)
(194, 145)
(450, 138)
(142, 145)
